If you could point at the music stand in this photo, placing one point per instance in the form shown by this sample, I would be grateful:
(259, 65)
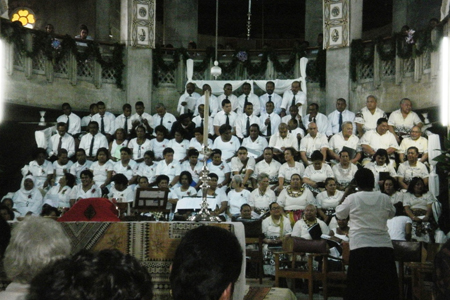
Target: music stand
(151, 200)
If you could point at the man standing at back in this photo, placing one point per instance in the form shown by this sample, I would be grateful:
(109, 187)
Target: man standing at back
(206, 266)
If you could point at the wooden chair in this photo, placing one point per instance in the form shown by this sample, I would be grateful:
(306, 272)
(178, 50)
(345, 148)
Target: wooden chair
(294, 247)
(337, 279)
(406, 252)
(254, 236)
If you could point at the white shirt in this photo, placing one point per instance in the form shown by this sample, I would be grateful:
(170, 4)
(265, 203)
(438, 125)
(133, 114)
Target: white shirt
(115, 148)
(76, 169)
(296, 203)
(233, 99)
(275, 98)
(337, 142)
(408, 172)
(271, 229)
(301, 229)
(278, 142)
(74, 123)
(286, 172)
(318, 175)
(195, 172)
(100, 141)
(309, 144)
(229, 148)
(78, 192)
(214, 105)
(67, 142)
(418, 202)
(158, 147)
(191, 101)
(241, 124)
(259, 201)
(180, 149)
(126, 195)
(333, 121)
(344, 176)
(300, 97)
(148, 171)
(61, 170)
(325, 201)
(270, 169)
(139, 150)
(39, 172)
(128, 170)
(219, 170)
(57, 198)
(119, 122)
(172, 169)
(109, 121)
(321, 121)
(421, 143)
(220, 197)
(167, 121)
(32, 202)
(221, 119)
(376, 141)
(198, 122)
(368, 213)
(275, 121)
(196, 145)
(85, 120)
(140, 118)
(255, 148)
(372, 166)
(235, 200)
(401, 124)
(288, 117)
(369, 120)
(251, 98)
(397, 227)
(237, 165)
(101, 171)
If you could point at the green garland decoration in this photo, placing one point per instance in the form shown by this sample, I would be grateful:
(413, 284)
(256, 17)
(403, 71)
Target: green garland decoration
(388, 54)
(16, 34)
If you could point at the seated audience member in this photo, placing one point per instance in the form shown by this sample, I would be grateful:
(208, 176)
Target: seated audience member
(337, 118)
(50, 212)
(183, 190)
(313, 141)
(139, 145)
(93, 141)
(146, 168)
(40, 168)
(180, 145)
(143, 183)
(105, 120)
(125, 165)
(403, 120)
(314, 116)
(159, 144)
(73, 122)
(187, 101)
(366, 119)
(245, 120)
(169, 167)
(309, 218)
(344, 171)
(345, 138)
(93, 109)
(340, 232)
(228, 94)
(193, 166)
(142, 118)
(84, 33)
(390, 188)
(8, 215)
(28, 199)
(289, 168)
(255, 143)
(8, 202)
(206, 265)
(80, 165)
(87, 188)
(275, 228)
(294, 96)
(270, 96)
(219, 196)
(414, 140)
(282, 140)
(124, 120)
(214, 105)
(269, 166)
(59, 195)
(294, 198)
(295, 130)
(411, 168)
(185, 125)
(163, 118)
(220, 168)
(380, 167)
(418, 202)
(293, 114)
(199, 120)
(400, 226)
(243, 165)
(35, 243)
(245, 213)
(121, 191)
(61, 166)
(107, 274)
(118, 143)
(328, 200)
(196, 142)
(225, 117)
(380, 138)
(102, 170)
(237, 196)
(262, 196)
(269, 120)
(61, 140)
(248, 97)
(316, 173)
(228, 143)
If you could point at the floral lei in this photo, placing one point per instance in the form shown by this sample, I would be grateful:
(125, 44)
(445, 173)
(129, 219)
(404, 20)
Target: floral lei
(293, 193)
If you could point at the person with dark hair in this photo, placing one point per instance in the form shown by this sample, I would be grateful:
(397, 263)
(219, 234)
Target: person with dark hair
(380, 138)
(124, 120)
(93, 141)
(184, 125)
(187, 101)
(163, 118)
(50, 212)
(225, 117)
(316, 173)
(9, 203)
(248, 97)
(371, 273)
(245, 212)
(219, 196)
(59, 195)
(366, 118)
(262, 195)
(255, 143)
(245, 120)
(61, 166)
(121, 191)
(199, 121)
(193, 166)
(270, 96)
(390, 187)
(183, 190)
(269, 166)
(87, 188)
(93, 109)
(6, 214)
(344, 138)
(142, 118)
(314, 116)
(237, 196)
(40, 168)
(107, 274)
(206, 266)
(61, 140)
(126, 165)
(380, 165)
(105, 119)
(73, 122)
(221, 168)
(289, 168)
(179, 144)
(228, 95)
(244, 166)
(80, 165)
(169, 167)
(140, 144)
(328, 200)
(294, 96)
(214, 106)
(313, 141)
(197, 142)
(228, 143)
(344, 171)
(269, 121)
(411, 168)
(119, 141)
(84, 33)
(143, 183)
(102, 169)
(160, 142)
(147, 168)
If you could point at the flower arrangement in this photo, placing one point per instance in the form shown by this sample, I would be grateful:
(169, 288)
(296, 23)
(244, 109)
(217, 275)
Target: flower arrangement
(242, 56)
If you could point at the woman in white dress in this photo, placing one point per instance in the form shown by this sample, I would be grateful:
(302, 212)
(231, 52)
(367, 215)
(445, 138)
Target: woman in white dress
(328, 200)
(179, 145)
(316, 173)
(237, 196)
(28, 200)
(160, 142)
(289, 168)
(102, 170)
(118, 143)
(139, 145)
(380, 165)
(261, 197)
(183, 190)
(390, 187)
(59, 195)
(255, 143)
(344, 171)
(197, 142)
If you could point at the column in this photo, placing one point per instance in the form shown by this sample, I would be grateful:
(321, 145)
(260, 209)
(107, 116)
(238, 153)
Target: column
(338, 61)
(102, 20)
(180, 22)
(313, 21)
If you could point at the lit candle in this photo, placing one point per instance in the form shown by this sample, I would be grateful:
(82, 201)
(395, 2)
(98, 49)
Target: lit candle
(249, 6)
(205, 120)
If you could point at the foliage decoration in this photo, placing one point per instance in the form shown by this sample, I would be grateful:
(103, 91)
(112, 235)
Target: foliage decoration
(55, 48)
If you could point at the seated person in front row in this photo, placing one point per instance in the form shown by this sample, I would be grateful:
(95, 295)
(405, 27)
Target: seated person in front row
(313, 141)
(221, 199)
(87, 188)
(412, 168)
(417, 140)
(244, 166)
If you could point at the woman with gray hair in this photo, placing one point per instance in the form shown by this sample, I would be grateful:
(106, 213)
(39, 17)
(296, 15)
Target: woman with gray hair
(237, 196)
(35, 243)
(261, 197)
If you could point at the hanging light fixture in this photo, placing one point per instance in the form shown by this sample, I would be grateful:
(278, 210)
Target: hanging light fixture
(216, 71)
(249, 22)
